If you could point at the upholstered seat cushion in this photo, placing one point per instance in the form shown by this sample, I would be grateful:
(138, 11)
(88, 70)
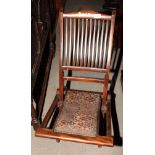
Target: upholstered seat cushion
(79, 114)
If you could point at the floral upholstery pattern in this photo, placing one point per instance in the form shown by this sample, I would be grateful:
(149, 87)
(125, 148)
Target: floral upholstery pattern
(79, 114)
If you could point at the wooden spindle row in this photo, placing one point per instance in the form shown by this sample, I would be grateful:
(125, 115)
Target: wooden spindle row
(85, 42)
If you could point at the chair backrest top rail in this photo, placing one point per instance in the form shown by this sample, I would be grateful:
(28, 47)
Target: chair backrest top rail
(87, 14)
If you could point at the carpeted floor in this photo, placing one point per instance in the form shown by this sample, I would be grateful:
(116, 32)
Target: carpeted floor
(43, 146)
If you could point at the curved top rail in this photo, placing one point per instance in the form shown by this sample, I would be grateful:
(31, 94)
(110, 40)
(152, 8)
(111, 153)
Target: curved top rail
(88, 14)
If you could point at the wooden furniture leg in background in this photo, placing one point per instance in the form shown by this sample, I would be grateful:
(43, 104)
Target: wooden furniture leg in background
(34, 121)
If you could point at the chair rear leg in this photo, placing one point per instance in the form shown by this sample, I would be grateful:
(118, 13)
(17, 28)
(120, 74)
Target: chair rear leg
(68, 84)
(61, 84)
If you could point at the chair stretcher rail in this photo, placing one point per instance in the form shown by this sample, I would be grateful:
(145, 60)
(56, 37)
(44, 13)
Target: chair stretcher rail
(83, 79)
(99, 140)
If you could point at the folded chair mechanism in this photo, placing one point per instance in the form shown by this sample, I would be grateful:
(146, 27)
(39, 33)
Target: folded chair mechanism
(85, 44)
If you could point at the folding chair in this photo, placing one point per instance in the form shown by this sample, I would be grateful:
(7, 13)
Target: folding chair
(85, 40)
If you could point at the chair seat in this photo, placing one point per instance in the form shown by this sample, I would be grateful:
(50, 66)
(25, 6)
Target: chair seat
(79, 114)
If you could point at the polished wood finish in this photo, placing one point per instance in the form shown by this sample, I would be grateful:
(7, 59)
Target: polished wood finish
(83, 69)
(50, 111)
(106, 140)
(108, 117)
(83, 48)
(83, 79)
(34, 121)
(99, 140)
(101, 44)
(86, 14)
(118, 37)
(109, 55)
(42, 51)
(90, 53)
(77, 48)
(45, 82)
(93, 58)
(85, 42)
(89, 42)
(61, 84)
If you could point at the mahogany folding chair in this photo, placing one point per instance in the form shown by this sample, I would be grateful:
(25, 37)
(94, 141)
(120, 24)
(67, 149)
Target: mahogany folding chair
(86, 40)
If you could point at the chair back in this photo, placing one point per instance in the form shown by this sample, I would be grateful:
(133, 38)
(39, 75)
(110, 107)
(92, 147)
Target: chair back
(86, 40)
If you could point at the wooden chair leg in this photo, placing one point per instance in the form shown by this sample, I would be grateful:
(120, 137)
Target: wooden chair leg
(68, 84)
(61, 84)
(34, 121)
(58, 140)
(45, 81)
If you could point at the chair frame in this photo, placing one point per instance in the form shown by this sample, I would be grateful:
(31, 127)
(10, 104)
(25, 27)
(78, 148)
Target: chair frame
(85, 14)
(43, 131)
